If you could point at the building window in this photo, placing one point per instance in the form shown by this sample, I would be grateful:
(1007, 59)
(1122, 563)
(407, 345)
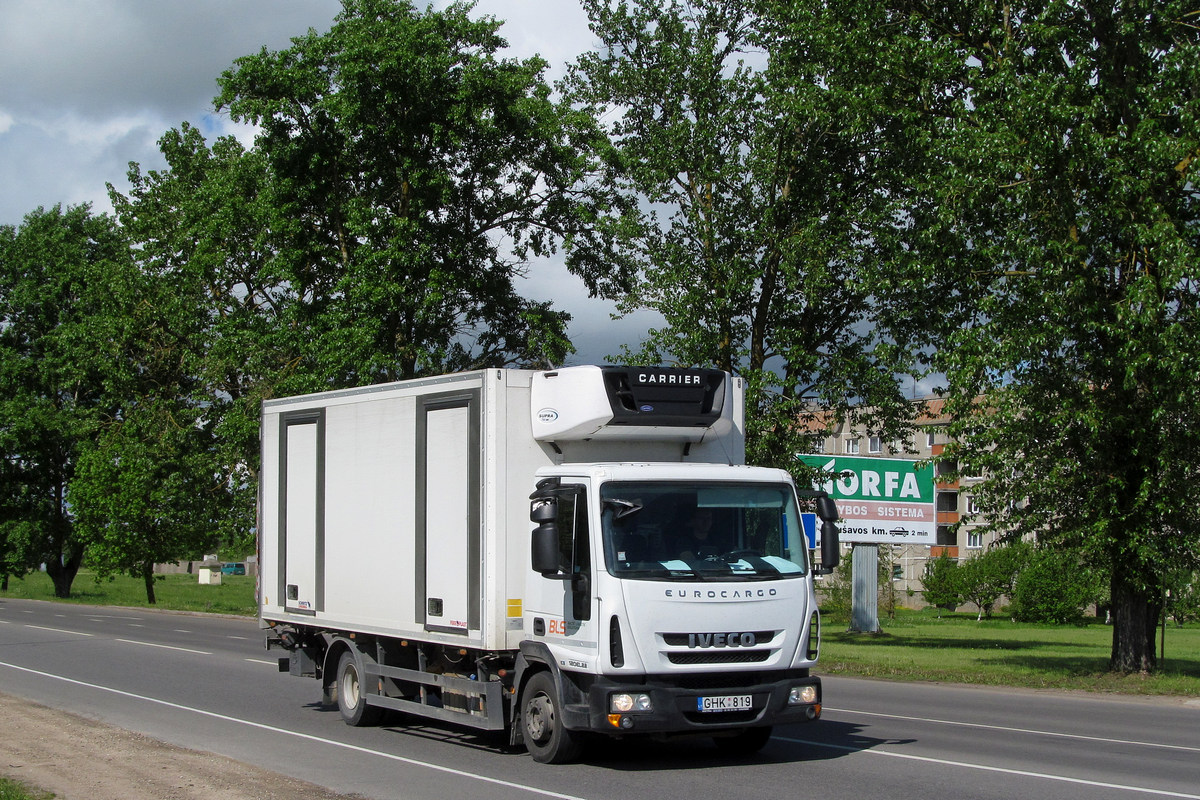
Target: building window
(852, 447)
(974, 540)
(930, 439)
(875, 444)
(819, 444)
(972, 506)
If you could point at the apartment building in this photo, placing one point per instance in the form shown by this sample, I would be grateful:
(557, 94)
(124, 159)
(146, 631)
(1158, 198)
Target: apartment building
(952, 498)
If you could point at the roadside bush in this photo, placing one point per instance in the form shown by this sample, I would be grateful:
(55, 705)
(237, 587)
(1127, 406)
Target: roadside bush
(942, 583)
(1053, 587)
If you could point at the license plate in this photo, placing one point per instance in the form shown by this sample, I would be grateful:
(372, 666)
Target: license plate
(733, 702)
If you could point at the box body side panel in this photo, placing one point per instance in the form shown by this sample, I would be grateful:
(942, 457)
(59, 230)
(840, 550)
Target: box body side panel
(416, 504)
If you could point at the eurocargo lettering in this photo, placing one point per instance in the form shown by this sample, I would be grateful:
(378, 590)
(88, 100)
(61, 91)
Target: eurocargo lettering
(440, 547)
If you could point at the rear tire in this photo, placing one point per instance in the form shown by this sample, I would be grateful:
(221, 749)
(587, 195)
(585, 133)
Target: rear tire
(545, 737)
(351, 702)
(743, 743)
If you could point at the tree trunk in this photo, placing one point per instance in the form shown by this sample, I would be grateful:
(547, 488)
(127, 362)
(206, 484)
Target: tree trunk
(62, 572)
(1135, 623)
(148, 577)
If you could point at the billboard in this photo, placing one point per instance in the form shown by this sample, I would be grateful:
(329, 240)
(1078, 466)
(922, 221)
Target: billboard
(879, 500)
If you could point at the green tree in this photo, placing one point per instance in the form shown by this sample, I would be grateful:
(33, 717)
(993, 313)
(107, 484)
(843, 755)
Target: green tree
(146, 491)
(57, 355)
(749, 192)
(224, 329)
(374, 231)
(413, 173)
(986, 577)
(1048, 209)
(941, 582)
(1073, 177)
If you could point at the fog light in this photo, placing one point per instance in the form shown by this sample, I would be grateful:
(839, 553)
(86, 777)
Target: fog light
(623, 703)
(802, 694)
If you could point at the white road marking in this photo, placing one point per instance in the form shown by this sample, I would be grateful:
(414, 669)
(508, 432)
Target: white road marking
(1006, 729)
(260, 661)
(166, 647)
(306, 736)
(985, 768)
(56, 630)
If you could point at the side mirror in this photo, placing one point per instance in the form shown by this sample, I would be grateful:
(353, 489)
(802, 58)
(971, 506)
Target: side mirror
(543, 510)
(544, 542)
(831, 547)
(544, 549)
(827, 509)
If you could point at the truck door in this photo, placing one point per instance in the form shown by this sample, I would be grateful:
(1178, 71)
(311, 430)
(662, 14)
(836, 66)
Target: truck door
(302, 511)
(448, 512)
(562, 603)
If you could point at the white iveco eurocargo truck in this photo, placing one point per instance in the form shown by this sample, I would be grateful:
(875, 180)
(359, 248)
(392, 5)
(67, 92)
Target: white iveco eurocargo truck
(555, 554)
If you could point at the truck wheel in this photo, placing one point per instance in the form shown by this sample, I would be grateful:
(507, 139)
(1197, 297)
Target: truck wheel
(743, 743)
(541, 727)
(350, 700)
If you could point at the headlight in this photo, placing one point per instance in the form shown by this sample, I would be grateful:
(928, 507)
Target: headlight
(624, 703)
(802, 694)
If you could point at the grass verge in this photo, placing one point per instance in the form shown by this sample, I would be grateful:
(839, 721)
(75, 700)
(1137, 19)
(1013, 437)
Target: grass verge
(234, 595)
(14, 790)
(917, 645)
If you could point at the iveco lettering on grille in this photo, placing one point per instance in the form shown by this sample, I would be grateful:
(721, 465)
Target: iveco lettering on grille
(721, 640)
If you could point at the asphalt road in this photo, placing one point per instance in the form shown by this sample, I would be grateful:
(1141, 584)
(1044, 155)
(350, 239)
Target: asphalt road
(206, 683)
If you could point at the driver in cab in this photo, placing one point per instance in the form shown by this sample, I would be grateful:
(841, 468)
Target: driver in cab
(696, 542)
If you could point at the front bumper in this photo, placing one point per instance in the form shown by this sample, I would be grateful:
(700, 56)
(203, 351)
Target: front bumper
(675, 709)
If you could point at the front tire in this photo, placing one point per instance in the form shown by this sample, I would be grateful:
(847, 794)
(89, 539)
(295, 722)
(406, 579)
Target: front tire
(351, 702)
(545, 737)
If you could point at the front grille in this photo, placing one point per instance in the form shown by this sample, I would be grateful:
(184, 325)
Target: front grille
(736, 656)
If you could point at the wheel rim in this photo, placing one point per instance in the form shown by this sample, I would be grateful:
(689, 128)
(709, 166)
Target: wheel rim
(350, 687)
(539, 718)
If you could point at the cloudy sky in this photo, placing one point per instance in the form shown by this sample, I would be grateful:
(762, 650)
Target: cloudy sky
(86, 86)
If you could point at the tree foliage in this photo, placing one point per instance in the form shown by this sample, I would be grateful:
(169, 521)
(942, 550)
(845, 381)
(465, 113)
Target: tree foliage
(1048, 213)
(402, 175)
(58, 348)
(1072, 369)
(749, 191)
(412, 174)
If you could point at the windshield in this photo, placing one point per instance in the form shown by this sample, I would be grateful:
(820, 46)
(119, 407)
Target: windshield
(677, 531)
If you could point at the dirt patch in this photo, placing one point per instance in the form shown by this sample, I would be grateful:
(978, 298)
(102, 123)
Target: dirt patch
(80, 759)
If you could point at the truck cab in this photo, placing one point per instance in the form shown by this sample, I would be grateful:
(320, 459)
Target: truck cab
(668, 598)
